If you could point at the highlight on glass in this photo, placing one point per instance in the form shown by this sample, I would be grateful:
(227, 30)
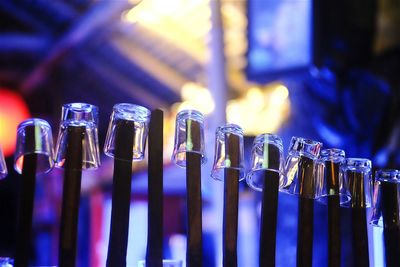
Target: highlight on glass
(357, 174)
(386, 192)
(129, 113)
(223, 155)
(329, 175)
(189, 136)
(34, 136)
(79, 115)
(3, 166)
(300, 167)
(266, 154)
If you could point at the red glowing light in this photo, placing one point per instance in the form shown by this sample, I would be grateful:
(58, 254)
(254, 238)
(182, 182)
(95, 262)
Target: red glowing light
(13, 110)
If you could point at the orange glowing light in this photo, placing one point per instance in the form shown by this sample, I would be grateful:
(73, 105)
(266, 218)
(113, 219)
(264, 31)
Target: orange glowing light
(13, 110)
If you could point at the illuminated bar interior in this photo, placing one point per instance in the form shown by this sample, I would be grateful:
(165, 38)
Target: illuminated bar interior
(324, 70)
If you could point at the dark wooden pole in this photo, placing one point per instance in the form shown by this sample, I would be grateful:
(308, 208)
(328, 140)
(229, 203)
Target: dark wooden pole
(334, 245)
(194, 249)
(231, 198)
(26, 201)
(154, 252)
(71, 196)
(121, 193)
(269, 208)
(391, 223)
(306, 213)
(359, 220)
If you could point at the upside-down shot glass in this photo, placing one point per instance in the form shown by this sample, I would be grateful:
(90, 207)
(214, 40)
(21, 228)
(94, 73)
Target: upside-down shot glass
(332, 191)
(229, 167)
(3, 166)
(185, 139)
(330, 179)
(357, 173)
(74, 116)
(267, 170)
(129, 113)
(266, 155)
(358, 176)
(165, 263)
(300, 167)
(34, 136)
(223, 155)
(34, 154)
(386, 212)
(77, 149)
(125, 142)
(300, 180)
(386, 190)
(189, 152)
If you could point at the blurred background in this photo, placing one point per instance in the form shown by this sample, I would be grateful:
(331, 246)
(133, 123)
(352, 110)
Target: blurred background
(322, 69)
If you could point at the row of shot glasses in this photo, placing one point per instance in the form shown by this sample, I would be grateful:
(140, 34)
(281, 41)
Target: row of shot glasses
(306, 171)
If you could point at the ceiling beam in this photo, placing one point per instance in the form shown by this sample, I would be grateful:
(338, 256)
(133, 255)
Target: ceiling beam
(98, 18)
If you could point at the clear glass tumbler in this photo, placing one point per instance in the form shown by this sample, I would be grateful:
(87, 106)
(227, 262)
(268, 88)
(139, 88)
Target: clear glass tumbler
(79, 115)
(357, 174)
(186, 139)
(140, 117)
(34, 136)
(223, 155)
(266, 154)
(300, 166)
(330, 178)
(386, 189)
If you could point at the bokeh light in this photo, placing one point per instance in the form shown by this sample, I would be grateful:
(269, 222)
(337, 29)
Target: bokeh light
(13, 110)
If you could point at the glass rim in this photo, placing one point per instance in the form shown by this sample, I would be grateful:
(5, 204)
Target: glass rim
(388, 175)
(190, 114)
(251, 173)
(357, 164)
(80, 107)
(180, 151)
(332, 154)
(216, 170)
(230, 128)
(323, 197)
(131, 112)
(33, 122)
(268, 138)
(92, 167)
(298, 145)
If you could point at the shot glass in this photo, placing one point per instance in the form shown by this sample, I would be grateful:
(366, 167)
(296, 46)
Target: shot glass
(300, 167)
(266, 154)
(79, 115)
(223, 156)
(3, 166)
(129, 113)
(386, 191)
(34, 136)
(189, 136)
(357, 174)
(330, 178)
